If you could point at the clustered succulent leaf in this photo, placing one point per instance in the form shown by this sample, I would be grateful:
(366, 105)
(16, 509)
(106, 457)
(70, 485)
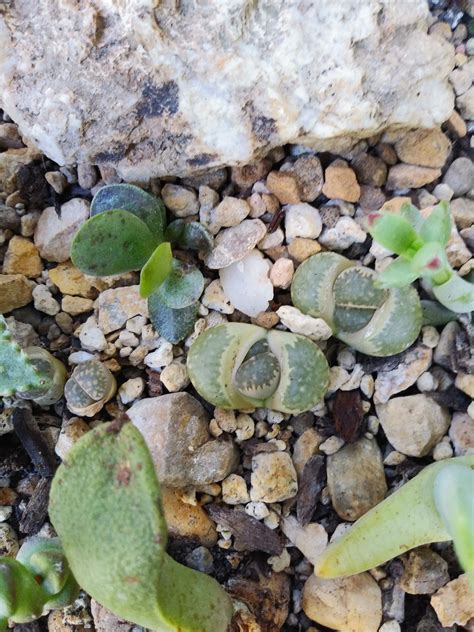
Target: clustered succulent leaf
(105, 505)
(240, 366)
(90, 386)
(421, 244)
(436, 505)
(373, 320)
(38, 580)
(127, 231)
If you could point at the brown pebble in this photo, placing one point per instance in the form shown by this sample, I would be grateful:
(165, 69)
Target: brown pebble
(285, 186)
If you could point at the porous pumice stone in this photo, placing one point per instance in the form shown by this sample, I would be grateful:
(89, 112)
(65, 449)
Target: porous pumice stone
(247, 285)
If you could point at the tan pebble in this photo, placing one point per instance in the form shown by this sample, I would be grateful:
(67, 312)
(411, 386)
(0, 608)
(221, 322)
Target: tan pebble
(405, 176)
(75, 305)
(268, 320)
(426, 148)
(341, 182)
(187, 520)
(301, 248)
(15, 291)
(22, 257)
(282, 272)
(457, 125)
(285, 186)
(453, 603)
(70, 280)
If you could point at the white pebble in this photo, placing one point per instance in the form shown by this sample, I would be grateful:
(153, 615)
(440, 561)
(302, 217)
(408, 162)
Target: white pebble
(128, 338)
(44, 302)
(91, 336)
(302, 220)
(426, 382)
(136, 324)
(214, 298)
(131, 390)
(282, 272)
(280, 562)
(247, 285)
(175, 376)
(163, 356)
(394, 458)
(257, 509)
(331, 445)
(429, 336)
(346, 358)
(299, 323)
(443, 450)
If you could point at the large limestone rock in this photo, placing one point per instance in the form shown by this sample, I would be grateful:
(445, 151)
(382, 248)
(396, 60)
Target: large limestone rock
(167, 87)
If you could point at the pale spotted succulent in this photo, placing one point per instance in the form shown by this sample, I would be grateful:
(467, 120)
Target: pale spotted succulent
(90, 386)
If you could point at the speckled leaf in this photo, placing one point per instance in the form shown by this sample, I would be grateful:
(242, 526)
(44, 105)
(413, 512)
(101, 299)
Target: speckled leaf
(173, 324)
(191, 235)
(127, 197)
(111, 243)
(156, 269)
(182, 288)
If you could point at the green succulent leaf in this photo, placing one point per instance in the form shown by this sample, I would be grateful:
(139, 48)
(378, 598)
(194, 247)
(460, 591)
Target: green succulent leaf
(156, 269)
(432, 263)
(183, 286)
(437, 227)
(173, 324)
(454, 499)
(112, 242)
(399, 273)
(456, 294)
(435, 314)
(127, 197)
(395, 233)
(189, 235)
(412, 215)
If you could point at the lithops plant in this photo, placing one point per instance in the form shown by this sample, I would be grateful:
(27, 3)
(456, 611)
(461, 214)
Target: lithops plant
(38, 580)
(127, 231)
(373, 320)
(437, 505)
(90, 386)
(241, 366)
(421, 244)
(32, 373)
(105, 505)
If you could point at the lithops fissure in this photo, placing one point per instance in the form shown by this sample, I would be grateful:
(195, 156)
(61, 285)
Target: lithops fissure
(90, 386)
(240, 366)
(371, 319)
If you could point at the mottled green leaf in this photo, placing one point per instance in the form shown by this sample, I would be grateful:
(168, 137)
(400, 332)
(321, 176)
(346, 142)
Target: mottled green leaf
(395, 233)
(156, 269)
(436, 314)
(173, 324)
(183, 286)
(397, 274)
(112, 242)
(437, 227)
(190, 235)
(128, 197)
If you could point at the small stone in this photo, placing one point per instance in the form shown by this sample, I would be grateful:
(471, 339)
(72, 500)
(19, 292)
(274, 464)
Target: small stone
(426, 382)
(453, 603)
(11, 162)
(54, 234)
(257, 510)
(299, 323)
(201, 560)
(428, 423)
(403, 176)
(371, 198)
(116, 306)
(230, 212)
(163, 356)
(214, 298)
(341, 182)
(69, 280)
(443, 192)
(280, 562)
(285, 186)
(10, 137)
(268, 320)
(44, 301)
(15, 292)
(345, 233)
(442, 451)
(247, 175)
(181, 201)
(86, 175)
(56, 180)
(246, 283)
(91, 336)
(462, 210)
(390, 626)
(465, 104)
(273, 477)
(127, 339)
(311, 539)
(426, 148)
(272, 240)
(370, 170)
(460, 80)
(233, 244)
(22, 257)
(305, 447)
(456, 125)
(136, 324)
(414, 363)
(174, 377)
(465, 383)
(245, 427)
(356, 479)
(302, 220)
(461, 433)
(234, 490)
(282, 273)
(301, 248)
(131, 390)
(75, 305)
(8, 541)
(460, 176)
(309, 174)
(331, 445)
(350, 604)
(395, 204)
(425, 571)
(445, 351)
(71, 431)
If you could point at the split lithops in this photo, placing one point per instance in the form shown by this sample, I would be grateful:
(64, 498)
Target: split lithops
(421, 244)
(127, 231)
(105, 505)
(38, 580)
(373, 320)
(32, 373)
(435, 506)
(242, 366)
(90, 386)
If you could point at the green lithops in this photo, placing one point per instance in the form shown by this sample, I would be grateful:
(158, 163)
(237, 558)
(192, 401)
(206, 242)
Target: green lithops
(371, 319)
(90, 386)
(38, 580)
(105, 505)
(241, 366)
(436, 505)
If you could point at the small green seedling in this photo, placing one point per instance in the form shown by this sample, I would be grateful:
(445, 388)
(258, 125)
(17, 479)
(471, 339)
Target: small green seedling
(421, 244)
(437, 505)
(244, 366)
(32, 373)
(127, 231)
(105, 505)
(36, 581)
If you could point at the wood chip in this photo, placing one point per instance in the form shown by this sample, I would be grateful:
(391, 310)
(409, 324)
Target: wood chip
(251, 534)
(311, 484)
(36, 510)
(39, 450)
(348, 415)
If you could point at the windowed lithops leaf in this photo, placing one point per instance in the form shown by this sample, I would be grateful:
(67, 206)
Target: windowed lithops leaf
(457, 294)
(394, 232)
(454, 499)
(437, 227)
(156, 269)
(112, 242)
(191, 235)
(258, 376)
(127, 197)
(399, 273)
(357, 298)
(183, 286)
(173, 324)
